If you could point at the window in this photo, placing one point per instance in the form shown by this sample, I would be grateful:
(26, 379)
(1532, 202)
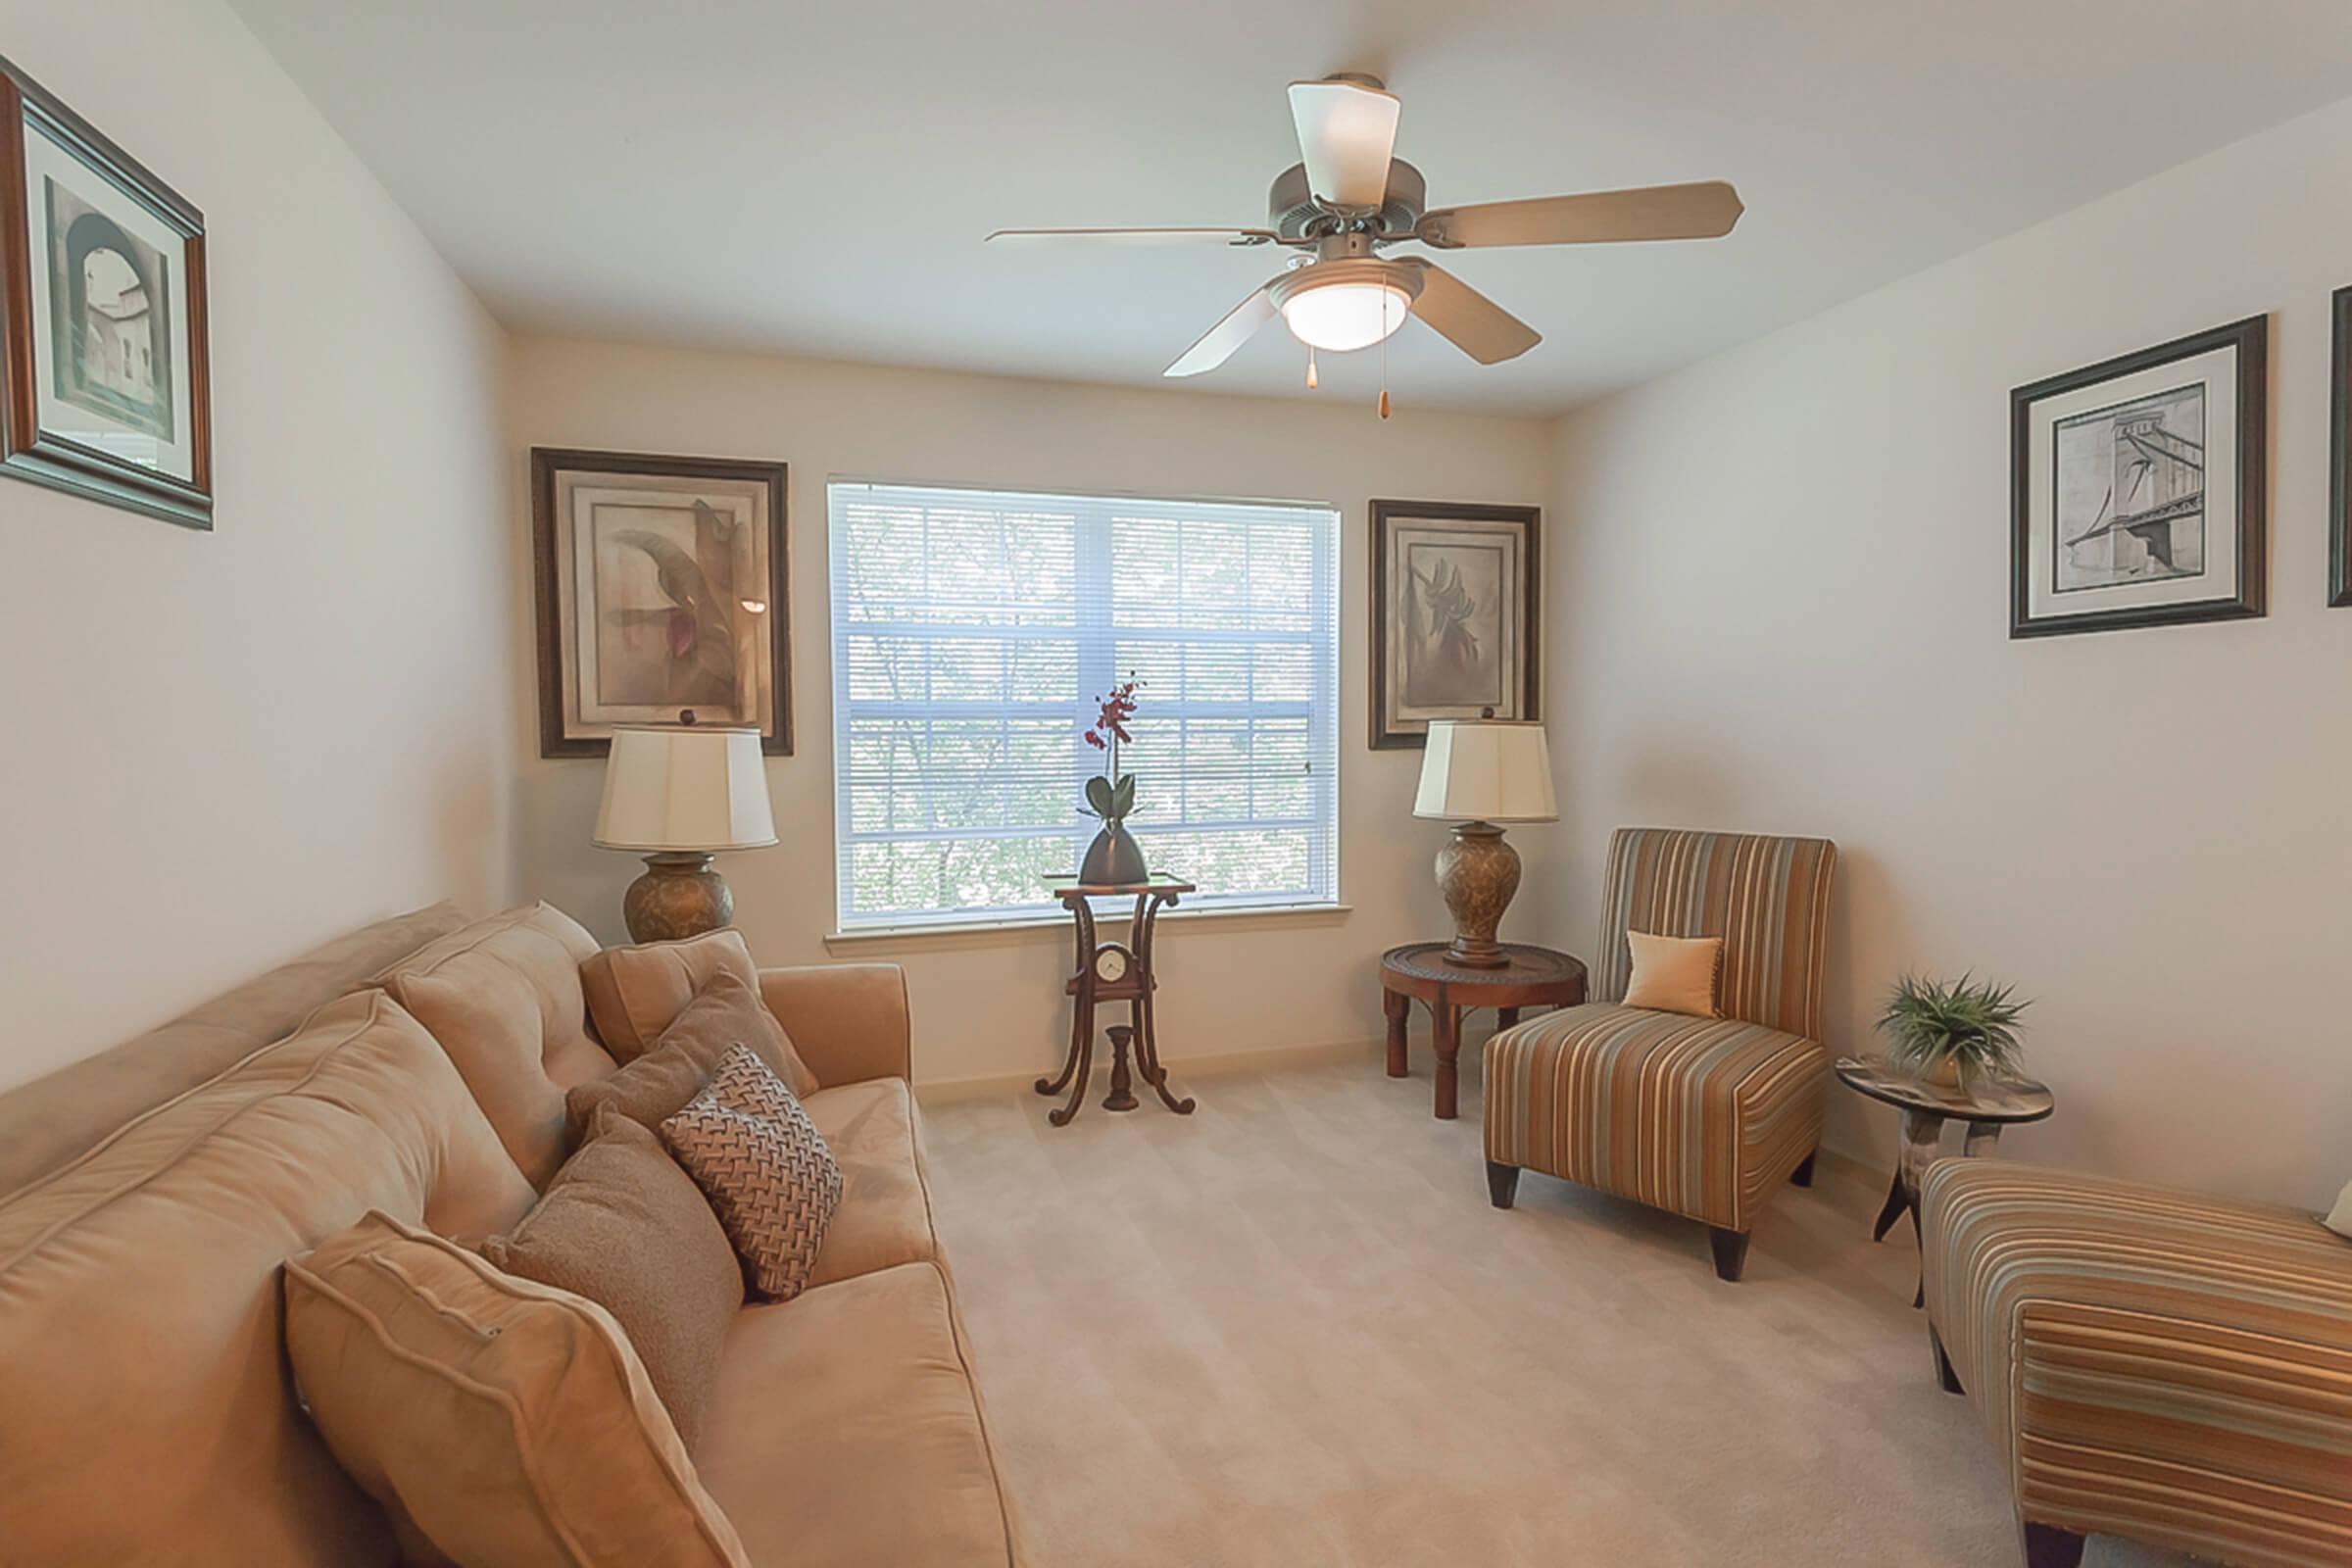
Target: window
(972, 631)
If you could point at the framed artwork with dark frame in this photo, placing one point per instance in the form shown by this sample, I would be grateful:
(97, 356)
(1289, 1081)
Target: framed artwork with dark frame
(2339, 456)
(2137, 488)
(660, 588)
(1456, 592)
(104, 389)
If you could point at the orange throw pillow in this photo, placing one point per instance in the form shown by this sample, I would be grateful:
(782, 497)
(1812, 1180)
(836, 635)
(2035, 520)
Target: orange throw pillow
(1675, 974)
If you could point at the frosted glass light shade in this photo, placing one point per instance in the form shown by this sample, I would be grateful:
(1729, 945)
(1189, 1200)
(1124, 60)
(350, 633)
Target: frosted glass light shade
(1339, 316)
(684, 789)
(1486, 772)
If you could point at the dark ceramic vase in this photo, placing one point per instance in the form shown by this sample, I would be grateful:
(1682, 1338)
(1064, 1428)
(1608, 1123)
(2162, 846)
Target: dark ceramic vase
(1115, 858)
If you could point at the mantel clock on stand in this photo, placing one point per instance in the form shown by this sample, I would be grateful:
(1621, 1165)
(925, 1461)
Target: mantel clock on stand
(1114, 971)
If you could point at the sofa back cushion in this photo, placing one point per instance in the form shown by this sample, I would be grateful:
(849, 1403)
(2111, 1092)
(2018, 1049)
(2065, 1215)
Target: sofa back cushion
(1768, 898)
(49, 1121)
(633, 993)
(503, 996)
(148, 1414)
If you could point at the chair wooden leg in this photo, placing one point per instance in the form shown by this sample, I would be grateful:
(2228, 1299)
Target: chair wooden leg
(2048, 1547)
(1802, 1176)
(1502, 1183)
(1943, 1363)
(1731, 1253)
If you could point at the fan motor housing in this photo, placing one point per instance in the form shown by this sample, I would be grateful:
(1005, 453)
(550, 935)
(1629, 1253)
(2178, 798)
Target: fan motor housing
(1292, 212)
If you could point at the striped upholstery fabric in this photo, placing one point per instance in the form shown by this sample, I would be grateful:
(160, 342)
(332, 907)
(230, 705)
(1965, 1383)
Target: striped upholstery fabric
(1704, 1117)
(2172, 1369)
(1699, 1116)
(1767, 898)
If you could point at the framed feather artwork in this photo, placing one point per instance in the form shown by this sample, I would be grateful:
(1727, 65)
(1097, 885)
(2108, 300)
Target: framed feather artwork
(1456, 592)
(660, 586)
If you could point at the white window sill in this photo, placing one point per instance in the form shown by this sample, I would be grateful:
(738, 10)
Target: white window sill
(1056, 927)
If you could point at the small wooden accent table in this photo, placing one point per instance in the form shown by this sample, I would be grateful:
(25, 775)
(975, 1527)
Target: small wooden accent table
(1112, 971)
(1986, 1107)
(1533, 977)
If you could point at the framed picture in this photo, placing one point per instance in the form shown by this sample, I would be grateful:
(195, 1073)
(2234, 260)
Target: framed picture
(2339, 456)
(2137, 489)
(105, 391)
(1455, 591)
(661, 590)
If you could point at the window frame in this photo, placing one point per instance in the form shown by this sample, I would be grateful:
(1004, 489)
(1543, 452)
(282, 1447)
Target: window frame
(1093, 631)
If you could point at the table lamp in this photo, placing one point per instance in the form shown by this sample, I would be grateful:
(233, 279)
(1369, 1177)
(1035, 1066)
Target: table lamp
(683, 793)
(1476, 774)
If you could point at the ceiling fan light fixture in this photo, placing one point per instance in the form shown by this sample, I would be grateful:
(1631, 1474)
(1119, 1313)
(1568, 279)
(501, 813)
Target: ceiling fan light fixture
(1340, 306)
(1341, 316)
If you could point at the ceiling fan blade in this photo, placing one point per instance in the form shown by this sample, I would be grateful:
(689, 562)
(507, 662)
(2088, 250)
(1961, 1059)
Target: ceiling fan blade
(1468, 319)
(1217, 344)
(1703, 211)
(1135, 237)
(1346, 133)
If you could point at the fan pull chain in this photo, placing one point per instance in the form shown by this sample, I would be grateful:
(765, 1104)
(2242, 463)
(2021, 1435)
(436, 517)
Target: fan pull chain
(1311, 383)
(1384, 374)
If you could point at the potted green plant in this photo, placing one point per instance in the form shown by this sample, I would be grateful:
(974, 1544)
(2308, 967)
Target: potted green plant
(1952, 1033)
(1114, 858)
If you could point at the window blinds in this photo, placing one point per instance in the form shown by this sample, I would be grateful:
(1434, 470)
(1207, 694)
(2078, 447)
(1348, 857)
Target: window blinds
(972, 633)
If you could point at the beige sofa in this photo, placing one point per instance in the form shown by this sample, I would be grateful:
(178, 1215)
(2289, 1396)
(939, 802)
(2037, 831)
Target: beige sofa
(149, 1196)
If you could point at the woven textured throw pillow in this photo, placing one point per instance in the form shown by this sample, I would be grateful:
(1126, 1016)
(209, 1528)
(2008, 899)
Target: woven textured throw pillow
(758, 1157)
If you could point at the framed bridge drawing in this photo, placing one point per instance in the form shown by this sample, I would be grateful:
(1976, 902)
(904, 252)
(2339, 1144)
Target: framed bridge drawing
(1455, 595)
(661, 589)
(104, 390)
(2137, 489)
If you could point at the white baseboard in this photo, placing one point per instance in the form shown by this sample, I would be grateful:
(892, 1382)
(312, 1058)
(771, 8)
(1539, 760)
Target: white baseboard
(944, 1090)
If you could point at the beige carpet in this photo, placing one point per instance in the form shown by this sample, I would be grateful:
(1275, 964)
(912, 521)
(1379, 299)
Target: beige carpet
(1290, 1330)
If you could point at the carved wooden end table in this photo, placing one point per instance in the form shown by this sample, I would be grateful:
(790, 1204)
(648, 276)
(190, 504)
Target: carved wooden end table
(1529, 977)
(1986, 1106)
(1112, 971)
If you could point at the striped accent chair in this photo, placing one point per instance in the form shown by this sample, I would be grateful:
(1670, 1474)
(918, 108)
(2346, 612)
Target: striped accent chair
(1704, 1117)
(2168, 1368)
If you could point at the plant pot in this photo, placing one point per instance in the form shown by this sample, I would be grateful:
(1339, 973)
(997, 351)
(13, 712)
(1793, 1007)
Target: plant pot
(1115, 858)
(1944, 1074)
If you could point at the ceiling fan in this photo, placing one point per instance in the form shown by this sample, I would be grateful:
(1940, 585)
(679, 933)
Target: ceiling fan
(1351, 199)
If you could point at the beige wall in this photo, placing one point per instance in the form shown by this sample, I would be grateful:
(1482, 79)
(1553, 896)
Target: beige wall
(1789, 568)
(223, 748)
(991, 1005)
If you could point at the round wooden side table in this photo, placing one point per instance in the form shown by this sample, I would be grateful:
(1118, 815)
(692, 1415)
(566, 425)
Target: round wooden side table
(1986, 1107)
(1529, 977)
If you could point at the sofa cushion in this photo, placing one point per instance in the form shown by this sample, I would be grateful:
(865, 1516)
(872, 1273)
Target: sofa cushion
(634, 991)
(848, 1431)
(503, 996)
(147, 1413)
(501, 1420)
(624, 1226)
(1699, 1116)
(50, 1120)
(885, 1213)
(725, 1014)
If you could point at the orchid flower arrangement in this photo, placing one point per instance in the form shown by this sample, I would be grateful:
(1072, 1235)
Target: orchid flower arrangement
(1110, 794)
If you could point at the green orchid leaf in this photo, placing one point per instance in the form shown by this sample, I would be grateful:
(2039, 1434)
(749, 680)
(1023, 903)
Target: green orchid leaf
(1122, 797)
(1098, 795)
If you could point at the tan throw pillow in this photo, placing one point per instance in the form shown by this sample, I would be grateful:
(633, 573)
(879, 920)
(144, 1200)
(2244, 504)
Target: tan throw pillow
(507, 1421)
(1675, 974)
(503, 998)
(724, 1013)
(770, 1179)
(633, 993)
(622, 1225)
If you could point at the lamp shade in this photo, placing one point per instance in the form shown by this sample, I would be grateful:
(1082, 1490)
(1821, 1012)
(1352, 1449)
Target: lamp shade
(684, 789)
(1484, 771)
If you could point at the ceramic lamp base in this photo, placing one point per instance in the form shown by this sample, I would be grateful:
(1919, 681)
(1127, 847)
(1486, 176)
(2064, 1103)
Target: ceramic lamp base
(679, 896)
(1477, 872)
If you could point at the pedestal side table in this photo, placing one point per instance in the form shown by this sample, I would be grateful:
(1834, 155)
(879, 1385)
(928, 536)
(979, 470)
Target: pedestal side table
(1114, 971)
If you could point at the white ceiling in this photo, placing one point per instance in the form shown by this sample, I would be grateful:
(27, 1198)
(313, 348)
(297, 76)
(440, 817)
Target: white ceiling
(815, 179)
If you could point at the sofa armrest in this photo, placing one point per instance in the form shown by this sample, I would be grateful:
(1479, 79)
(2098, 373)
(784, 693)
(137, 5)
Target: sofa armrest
(848, 1021)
